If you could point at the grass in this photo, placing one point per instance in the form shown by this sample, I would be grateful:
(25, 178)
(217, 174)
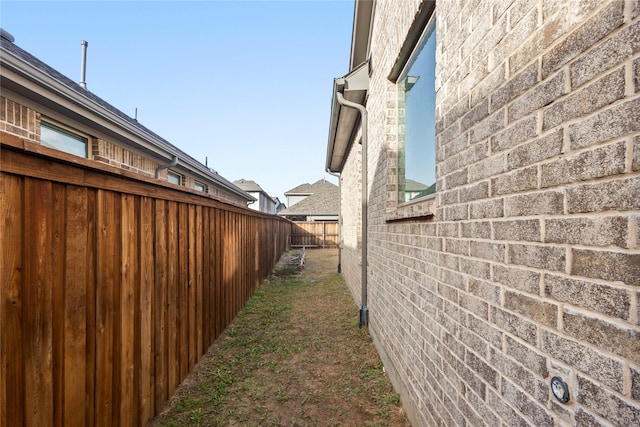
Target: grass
(294, 356)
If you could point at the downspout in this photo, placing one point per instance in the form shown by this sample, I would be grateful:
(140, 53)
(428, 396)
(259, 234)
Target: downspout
(166, 166)
(337, 175)
(364, 310)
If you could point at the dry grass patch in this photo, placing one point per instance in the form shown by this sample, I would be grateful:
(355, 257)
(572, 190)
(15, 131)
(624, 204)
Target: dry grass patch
(293, 357)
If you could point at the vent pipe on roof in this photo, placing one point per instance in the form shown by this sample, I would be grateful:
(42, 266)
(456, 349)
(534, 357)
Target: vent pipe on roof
(83, 65)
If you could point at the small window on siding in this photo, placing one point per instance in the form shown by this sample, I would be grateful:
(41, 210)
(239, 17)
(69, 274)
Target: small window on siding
(200, 186)
(174, 178)
(62, 139)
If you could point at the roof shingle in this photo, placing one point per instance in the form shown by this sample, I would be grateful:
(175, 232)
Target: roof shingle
(323, 199)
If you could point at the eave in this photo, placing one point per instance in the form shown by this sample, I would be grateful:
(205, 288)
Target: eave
(344, 120)
(353, 87)
(362, 19)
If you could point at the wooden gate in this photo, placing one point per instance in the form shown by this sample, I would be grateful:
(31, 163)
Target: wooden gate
(315, 234)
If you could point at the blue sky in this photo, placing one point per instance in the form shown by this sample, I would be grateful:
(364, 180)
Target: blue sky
(245, 83)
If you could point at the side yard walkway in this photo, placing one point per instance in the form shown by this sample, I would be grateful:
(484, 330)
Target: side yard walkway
(293, 357)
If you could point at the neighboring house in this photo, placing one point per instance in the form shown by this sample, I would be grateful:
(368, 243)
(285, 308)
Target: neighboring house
(298, 194)
(414, 189)
(510, 295)
(264, 202)
(312, 202)
(42, 106)
(279, 205)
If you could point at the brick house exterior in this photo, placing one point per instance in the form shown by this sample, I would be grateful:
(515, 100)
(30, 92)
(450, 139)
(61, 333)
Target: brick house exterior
(525, 264)
(33, 92)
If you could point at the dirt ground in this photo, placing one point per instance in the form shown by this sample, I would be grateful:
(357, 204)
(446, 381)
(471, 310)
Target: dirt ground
(293, 357)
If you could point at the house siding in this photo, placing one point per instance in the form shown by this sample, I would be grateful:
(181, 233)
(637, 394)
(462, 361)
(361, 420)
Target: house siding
(351, 237)
(530, 266)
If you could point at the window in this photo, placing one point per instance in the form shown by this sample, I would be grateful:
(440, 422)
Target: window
(200, 186)
(62, 139)
(416, 121)
(174, 178)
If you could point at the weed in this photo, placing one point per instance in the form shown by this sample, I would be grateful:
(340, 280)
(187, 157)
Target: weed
(196, 417)
(185, 403)
(281, 395)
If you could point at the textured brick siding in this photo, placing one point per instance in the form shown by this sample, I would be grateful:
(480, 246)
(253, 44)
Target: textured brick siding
(530, 267)
(115, 155)
(19, 120)
(350, 204)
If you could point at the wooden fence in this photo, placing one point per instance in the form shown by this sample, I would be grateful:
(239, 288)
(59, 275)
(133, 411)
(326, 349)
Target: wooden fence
(311, 234)
(113, 287)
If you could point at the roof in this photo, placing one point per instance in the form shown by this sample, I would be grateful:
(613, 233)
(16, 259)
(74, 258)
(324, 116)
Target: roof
(411, 185)
(248, 185)
(300, 189)
(353, 87)
(323, 200)
(37, 76)
(361, 32)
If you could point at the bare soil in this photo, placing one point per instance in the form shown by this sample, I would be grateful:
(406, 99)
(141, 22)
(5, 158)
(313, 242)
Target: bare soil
(293, 357)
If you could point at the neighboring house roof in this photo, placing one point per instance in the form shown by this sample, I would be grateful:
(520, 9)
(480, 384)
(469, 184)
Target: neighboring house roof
(252, 187)
(411, 185)
(34, 70)
(279, 205)
(248, 185)
(323, 199)
(300, 190)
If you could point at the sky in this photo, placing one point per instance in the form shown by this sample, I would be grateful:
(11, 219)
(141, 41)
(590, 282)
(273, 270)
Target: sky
(246, 85)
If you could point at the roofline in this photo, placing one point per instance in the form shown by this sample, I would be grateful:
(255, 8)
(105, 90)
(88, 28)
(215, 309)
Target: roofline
(362, 19)
(44, 81)
(344, 121)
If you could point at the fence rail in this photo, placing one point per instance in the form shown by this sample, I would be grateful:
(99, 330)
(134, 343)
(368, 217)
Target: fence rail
(315, 234)
(112, 288)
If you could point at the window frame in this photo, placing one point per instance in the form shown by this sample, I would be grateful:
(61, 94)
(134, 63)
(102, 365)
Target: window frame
(68, 131)
(423, 208)
(179, 175)
(204, 186)
(428, 32)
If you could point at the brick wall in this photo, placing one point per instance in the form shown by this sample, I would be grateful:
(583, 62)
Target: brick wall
(530, 267)
(351, 236)
(115, 155)
(16, 119)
